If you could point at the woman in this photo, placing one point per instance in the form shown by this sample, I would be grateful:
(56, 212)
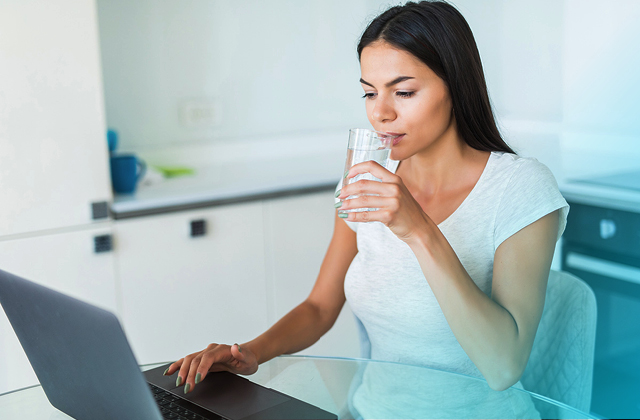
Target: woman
(453, 273)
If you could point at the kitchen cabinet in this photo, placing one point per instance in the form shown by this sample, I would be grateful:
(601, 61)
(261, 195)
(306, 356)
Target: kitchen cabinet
(182, 292)
(64, 261)
(255, 262)
(298, 232)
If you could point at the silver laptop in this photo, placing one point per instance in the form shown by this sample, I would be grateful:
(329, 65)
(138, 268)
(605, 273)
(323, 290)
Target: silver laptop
(87, 369)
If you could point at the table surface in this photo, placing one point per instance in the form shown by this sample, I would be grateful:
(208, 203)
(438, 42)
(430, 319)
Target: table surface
(359, 388)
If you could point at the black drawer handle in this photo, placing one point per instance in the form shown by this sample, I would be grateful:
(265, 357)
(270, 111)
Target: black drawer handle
(198, 228)
(102, 243)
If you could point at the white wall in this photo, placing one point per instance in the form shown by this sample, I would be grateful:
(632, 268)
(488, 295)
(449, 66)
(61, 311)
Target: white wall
(268, 68)
(561, 74)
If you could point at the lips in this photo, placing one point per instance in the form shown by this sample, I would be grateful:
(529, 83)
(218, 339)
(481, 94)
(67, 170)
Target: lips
(398, 138)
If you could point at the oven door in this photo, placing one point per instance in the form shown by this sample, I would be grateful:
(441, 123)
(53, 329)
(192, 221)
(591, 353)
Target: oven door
(602, 247)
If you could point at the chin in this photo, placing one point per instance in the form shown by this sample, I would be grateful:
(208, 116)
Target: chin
(395, 155)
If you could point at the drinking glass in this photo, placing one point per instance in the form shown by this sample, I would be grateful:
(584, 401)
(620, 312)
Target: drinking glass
(365, 145)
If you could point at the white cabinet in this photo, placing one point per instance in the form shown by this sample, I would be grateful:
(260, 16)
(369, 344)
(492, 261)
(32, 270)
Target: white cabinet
(180, 293)
(53, 152)
(66, 262)
(299, 230)
(175, 293)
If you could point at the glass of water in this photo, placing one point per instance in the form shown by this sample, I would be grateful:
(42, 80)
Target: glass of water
(366, 145)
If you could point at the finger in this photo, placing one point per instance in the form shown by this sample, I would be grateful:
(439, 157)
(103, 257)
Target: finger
(190, 379)
(366, 216)
(373, 168)
(237, 354)
(369, 187)
(367, 201)
(184, 369)
(173, 368)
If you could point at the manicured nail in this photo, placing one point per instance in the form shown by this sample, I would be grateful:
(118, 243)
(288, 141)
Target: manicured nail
(343, 215)
(345, 174)
(187, 387)
(239, 349)
(179, 381)
(198, 377)
(338, 193)
(165, 372)
(337, 205)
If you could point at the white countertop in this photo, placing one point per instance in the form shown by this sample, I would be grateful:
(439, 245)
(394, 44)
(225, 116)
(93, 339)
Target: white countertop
(295, 164)
(233, 181)
(601, 196)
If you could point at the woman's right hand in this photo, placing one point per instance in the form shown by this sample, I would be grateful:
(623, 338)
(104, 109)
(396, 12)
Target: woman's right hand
(193, 368)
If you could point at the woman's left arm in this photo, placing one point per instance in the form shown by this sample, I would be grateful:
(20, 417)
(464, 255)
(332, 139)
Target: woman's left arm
(496, 332)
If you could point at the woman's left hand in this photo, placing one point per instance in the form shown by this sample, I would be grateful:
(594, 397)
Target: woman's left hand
(397, 209)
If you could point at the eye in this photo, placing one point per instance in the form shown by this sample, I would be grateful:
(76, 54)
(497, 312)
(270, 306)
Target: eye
(368, 95)
(405, 94)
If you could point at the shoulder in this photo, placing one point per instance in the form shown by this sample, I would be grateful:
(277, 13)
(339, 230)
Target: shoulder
(523, 175)
(529, 191)
(509, 164)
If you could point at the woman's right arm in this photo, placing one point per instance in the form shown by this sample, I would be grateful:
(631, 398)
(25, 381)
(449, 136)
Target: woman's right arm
(297, 330)
(307, 322)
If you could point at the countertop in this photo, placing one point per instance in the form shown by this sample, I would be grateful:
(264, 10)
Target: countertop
(232, 182)
(620, 191)
(264, 175)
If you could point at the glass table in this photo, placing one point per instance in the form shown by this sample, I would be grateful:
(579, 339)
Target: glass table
(360, 388)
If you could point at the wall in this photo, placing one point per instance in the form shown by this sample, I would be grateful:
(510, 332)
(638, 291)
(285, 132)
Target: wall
(261, 68)
(560, 75)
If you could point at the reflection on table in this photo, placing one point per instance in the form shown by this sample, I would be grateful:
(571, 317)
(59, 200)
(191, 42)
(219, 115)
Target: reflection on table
(359, 388)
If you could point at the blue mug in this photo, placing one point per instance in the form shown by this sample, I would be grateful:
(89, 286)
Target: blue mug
(126, 171)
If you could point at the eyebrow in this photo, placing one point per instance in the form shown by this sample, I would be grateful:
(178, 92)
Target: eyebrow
(391, 83)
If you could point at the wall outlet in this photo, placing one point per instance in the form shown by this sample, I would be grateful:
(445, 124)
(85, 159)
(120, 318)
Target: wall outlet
(199, 113)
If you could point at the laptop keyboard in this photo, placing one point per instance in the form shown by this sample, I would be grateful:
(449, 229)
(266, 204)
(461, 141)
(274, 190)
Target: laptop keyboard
(176, 408)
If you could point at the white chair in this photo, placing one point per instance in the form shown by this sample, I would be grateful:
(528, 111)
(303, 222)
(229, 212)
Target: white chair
(561, 363)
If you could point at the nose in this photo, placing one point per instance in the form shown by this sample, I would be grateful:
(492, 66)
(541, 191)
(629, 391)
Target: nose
(383, 110)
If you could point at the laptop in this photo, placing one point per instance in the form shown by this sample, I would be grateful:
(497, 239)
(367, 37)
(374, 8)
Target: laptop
(87, 369)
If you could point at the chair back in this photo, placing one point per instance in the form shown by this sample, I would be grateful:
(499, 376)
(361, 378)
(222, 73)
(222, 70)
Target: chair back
(561, 363)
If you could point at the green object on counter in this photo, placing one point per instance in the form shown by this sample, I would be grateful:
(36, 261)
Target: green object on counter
(174, 171)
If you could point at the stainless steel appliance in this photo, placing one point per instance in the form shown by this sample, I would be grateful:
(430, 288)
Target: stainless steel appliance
(601, 245)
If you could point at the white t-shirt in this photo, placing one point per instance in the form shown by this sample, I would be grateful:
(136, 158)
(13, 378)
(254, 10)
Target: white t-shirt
(388, 292)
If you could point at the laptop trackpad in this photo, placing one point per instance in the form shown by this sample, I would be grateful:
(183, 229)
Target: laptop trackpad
(231, 396)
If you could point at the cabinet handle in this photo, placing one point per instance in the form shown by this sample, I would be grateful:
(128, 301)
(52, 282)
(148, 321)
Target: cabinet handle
(198, 228)
(99, 210)
(102, 243)
(607, 228)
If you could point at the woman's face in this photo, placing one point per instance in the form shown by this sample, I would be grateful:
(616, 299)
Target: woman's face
(404, 96)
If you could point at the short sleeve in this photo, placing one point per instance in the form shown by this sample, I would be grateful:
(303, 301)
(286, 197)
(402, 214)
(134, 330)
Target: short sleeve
(352, 225)
(530, 194)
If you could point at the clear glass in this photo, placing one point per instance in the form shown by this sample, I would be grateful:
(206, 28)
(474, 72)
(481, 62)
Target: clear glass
(365, 145)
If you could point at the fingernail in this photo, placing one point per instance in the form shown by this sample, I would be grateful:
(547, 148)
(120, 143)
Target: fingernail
(343, 215)
(187, 387)
(239, 349)
(198, 377)
(179, 381)
(165, 372)
(338, 193)
(337, 205)
(345, 174)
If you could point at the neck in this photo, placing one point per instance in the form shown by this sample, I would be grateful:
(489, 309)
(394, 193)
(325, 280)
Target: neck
(446, 165)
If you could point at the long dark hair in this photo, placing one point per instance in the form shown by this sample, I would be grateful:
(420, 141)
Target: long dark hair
(437, 34)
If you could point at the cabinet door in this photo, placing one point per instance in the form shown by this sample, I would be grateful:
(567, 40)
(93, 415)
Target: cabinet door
(66, 262)
(299, 230)
(53, 152)
(181, 293)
